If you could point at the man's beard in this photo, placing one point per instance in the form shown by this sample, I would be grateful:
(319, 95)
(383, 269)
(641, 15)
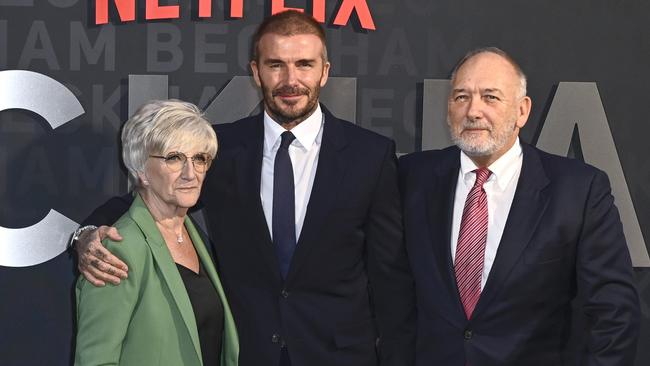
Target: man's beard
(479, 146)
(292, 113)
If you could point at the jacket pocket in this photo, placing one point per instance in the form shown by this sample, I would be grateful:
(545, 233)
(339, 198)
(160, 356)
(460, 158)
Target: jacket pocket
(549, 253)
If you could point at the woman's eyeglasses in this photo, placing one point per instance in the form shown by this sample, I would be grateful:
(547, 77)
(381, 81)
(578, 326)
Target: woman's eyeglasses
(176, 161)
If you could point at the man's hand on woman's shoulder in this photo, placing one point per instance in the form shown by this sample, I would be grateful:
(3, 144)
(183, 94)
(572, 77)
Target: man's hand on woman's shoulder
(96, 263)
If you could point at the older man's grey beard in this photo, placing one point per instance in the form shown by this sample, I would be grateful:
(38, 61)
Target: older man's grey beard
(497, 138)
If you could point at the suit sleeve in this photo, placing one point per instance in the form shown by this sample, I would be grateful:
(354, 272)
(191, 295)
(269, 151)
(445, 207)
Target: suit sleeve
(391, 280)
(110, 211)
(605, 278)
(104, 313)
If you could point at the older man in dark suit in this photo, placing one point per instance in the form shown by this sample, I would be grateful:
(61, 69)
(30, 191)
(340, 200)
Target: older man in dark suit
(304, 215)
(502, 237)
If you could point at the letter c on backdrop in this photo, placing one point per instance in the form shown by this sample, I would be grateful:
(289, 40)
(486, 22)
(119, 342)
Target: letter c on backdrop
(54, 102)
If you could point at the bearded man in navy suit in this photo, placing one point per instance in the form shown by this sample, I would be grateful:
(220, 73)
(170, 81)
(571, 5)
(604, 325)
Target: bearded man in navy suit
(502, 237)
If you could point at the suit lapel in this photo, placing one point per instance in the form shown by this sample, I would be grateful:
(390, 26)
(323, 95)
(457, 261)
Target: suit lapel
(440, 207)
(329, 174)
(248, 166)
(198, 221)
(167, 268)
(230, 351)
(528, 206)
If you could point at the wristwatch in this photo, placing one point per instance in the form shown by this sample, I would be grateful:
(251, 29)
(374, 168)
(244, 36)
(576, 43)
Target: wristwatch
(77, 233)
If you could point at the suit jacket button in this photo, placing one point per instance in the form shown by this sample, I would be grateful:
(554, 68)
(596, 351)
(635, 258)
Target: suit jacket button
(275, 338)
(284, 293)
(467, 334)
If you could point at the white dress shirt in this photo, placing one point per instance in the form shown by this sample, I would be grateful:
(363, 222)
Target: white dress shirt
(500, 190)
(303, 153)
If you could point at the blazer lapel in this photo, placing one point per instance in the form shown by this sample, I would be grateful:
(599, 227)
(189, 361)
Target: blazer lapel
(230, 351)
(440, 206)
(248, 166)
(528, 206)
(329, 174)
(167, 268)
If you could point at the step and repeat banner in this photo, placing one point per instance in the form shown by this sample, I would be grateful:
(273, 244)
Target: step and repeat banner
(72, 71)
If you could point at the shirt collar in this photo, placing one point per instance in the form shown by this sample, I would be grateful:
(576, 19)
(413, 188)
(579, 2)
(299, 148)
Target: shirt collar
(503, 169)
(306, 132)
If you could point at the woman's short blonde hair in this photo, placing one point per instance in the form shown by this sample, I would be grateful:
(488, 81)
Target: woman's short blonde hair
(159, 125)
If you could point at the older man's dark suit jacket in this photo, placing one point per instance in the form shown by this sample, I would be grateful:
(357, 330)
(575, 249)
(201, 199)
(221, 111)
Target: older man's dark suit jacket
(349, 281)
(563, 236)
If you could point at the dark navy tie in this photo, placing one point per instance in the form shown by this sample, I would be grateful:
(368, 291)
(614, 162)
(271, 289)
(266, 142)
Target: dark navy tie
(284, 217)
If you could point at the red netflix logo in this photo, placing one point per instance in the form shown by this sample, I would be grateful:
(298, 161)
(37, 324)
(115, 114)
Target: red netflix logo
(153, 10)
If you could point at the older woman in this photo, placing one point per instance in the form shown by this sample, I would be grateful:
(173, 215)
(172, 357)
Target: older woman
(172, 309)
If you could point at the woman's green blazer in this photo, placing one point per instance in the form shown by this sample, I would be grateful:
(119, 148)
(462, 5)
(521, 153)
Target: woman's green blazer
(147, 319)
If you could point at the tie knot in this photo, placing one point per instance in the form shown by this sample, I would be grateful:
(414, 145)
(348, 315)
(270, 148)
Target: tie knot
(287, 139)
(482, 175)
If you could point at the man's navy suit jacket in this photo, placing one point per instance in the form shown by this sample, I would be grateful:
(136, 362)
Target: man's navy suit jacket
(563, 237)
(348, 298)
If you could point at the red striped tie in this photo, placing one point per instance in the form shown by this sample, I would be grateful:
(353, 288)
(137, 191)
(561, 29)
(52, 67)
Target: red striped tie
(471, 244)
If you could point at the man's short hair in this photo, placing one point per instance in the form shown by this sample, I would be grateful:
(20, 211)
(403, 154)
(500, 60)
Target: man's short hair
(288, 23)
(157, 126)
(496, 51)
